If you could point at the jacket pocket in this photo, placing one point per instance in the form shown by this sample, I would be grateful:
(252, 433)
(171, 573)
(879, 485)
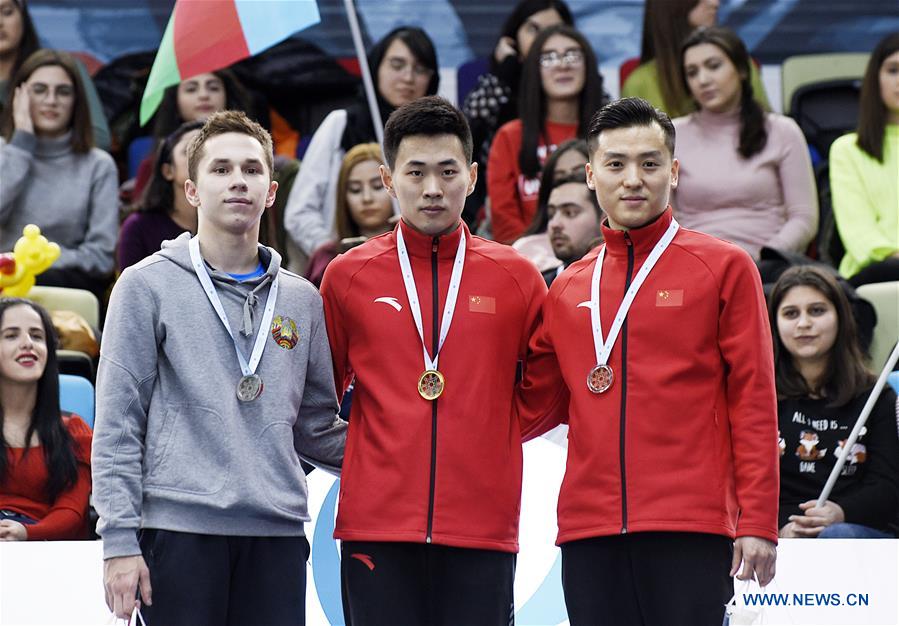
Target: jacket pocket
(280, 474)
(190, 452)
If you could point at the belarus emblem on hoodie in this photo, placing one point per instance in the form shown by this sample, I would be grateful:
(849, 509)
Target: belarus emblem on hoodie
(284, 332)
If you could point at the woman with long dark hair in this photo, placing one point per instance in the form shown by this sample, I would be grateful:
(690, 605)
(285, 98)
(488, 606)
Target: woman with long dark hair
(745, 175)
(403, 66)
(494, 100)
(666, 24)
(560, 90)
(164, 212)
(863, 181)
(44, 457)
(54, 177)
(822, 385)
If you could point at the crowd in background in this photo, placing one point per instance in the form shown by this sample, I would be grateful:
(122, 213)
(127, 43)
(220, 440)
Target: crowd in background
(746, 176)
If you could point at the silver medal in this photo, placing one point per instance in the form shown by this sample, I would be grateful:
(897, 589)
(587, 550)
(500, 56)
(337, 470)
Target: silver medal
(249, 388)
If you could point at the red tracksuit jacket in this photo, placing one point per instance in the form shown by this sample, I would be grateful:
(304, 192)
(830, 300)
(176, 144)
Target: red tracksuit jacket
(448, 471)
(686, 437)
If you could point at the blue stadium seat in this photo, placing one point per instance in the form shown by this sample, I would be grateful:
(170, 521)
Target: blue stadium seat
(137, 152)
(467, 76)
(76, 395)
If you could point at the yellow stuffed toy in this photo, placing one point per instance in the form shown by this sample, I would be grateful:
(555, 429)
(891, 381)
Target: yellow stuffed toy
(31, 255)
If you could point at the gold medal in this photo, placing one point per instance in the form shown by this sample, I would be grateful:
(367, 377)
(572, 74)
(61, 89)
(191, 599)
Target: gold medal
(600, 379)
(431, 384)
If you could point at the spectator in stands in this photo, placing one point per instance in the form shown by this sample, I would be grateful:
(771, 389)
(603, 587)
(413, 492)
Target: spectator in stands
(164, 211)
(568, 159)
(494, 100)
(18, 41)
(560, 89)
(54, 177)
(822, 385)
(44, 455)
(745, 175)
(363, 207)
(666, 24)
(863, 181)
(574, 221)
(404, 67)
(192, 100)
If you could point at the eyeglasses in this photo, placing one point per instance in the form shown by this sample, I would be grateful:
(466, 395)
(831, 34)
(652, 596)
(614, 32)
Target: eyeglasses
(399, 66)
(40, 91)
(569, 58)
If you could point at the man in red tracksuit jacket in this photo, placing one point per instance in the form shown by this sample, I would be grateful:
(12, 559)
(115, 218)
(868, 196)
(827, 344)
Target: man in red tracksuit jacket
(431, 483)
(672, 448)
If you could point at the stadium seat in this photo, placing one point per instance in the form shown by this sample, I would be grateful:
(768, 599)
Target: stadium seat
(805, 69)
(826, 110)
(76, 363)
(80, 301)
(467, 76)
(885, 298)
(76, 395)
(138, 150)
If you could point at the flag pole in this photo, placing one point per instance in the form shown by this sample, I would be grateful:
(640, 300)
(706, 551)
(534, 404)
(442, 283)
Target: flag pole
(859, 424)
(366, 72)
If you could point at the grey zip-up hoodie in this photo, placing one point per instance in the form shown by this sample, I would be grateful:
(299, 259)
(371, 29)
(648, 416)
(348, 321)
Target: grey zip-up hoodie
(173, 447)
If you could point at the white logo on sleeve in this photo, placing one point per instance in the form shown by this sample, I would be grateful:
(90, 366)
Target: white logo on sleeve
(391, 301)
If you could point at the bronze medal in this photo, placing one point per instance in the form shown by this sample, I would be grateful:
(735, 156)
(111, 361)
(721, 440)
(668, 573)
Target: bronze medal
(600, 379)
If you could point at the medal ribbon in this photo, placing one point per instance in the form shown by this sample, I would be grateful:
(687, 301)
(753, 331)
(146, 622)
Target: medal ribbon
(269, 312)
(604, 348)
(412, 293)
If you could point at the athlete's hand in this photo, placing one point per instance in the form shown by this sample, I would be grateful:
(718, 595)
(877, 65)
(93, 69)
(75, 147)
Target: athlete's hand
(121, 576)
(758, 556)
(12, 531)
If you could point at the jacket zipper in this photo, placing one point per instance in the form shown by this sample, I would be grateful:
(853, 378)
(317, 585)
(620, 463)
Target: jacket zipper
(622, 419)
(435, 340)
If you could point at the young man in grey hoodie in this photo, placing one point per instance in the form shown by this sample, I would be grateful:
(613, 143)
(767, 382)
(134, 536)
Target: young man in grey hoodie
(215, 378)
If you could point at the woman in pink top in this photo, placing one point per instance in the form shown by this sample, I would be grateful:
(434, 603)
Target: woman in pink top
(745, 175)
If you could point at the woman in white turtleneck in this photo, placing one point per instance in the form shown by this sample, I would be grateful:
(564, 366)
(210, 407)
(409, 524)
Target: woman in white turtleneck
(53, 176)
(745, 175)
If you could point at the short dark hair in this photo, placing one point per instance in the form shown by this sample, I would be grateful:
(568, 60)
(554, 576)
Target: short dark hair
(626, 113)
(223, 122)
(872, 118)
(429, 116)
(581, 179)
(846, 375)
